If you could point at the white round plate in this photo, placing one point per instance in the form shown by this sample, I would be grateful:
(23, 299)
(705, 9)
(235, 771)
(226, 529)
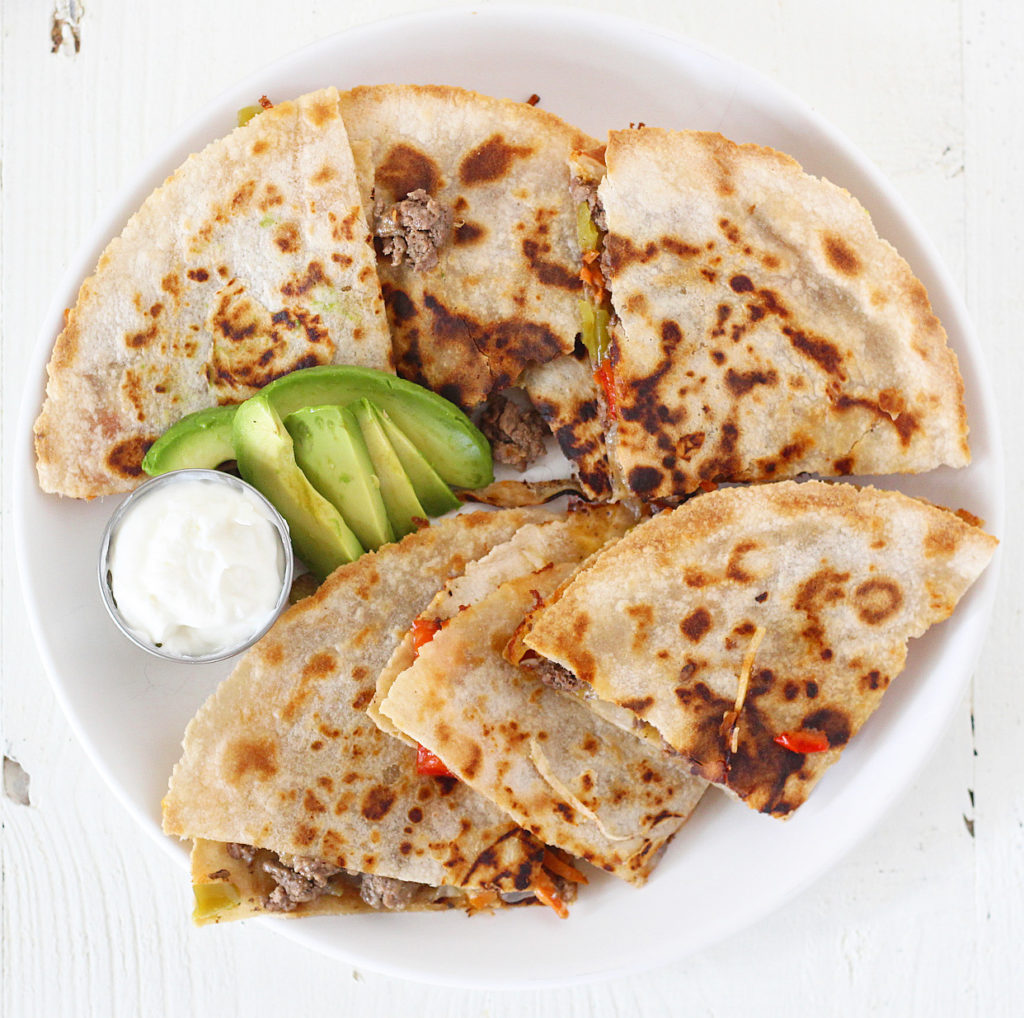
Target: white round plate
(728, 866)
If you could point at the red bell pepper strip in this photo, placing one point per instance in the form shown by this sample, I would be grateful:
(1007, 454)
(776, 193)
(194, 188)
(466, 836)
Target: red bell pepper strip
(605, 377)
(431, 764)
(802, 742)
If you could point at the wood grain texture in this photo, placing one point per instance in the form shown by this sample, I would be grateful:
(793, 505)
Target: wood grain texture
(923, 918)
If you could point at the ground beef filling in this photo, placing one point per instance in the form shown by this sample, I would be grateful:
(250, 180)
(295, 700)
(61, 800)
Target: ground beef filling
(387, 892)
(554, 675)
(516, 433)
(586, 190)
(413, 229)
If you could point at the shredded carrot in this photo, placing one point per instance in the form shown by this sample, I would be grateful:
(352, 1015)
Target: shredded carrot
(546, 892)
(562, 868)
(483, 899)
(266, 103)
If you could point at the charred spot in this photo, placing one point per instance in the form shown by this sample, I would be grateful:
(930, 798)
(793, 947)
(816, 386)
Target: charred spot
(445, 785)
(415, 815)
(362, 700)
(695, 626)
(817, 349)
(399, 304)
(741, 284)
(407, 169)
(873, 680)
(567, 812)
(680, 248)
(877, 599)
(740, 383)
(377, 803)
(156, 310)
(643, 480)
(198, 275)
(297, 286)
(844, 465)
(811, 688)
(791, 690)
(832, 722)
(671, 334)
(728, 228)
(762, 597)
(548, 272)
(125, 458)
(490, 160)
(469, 233)
(841, 257)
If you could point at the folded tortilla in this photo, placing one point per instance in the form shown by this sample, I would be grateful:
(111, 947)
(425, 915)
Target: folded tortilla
(251, 260)
(574, 780)
(503, 293)
(283, 758)
(756, 629)
(762, 328)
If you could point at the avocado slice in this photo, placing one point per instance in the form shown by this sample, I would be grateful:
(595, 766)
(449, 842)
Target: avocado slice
(266, 459)
(435, 496)
(395, 487)
(331, 452)
(446, 437)
(202, 439)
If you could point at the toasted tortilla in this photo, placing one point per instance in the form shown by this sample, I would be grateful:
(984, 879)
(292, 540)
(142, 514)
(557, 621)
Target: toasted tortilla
(571, 537)
(764, 329)
(251, 260)
(283, 757)
(750, 613)
(571, 778)
(503, 295)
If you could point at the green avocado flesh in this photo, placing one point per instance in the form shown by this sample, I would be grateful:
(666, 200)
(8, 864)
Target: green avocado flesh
(434, 495)
(202, 439)
(331, 452)
(403, 507)
(438, 428)
(441, 432)
(266, 459)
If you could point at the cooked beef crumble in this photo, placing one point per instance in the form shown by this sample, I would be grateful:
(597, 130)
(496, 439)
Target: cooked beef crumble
(243, 853)
(554, 675)
(299, 879)
(387, 892)
(516, 433)
(413, 229)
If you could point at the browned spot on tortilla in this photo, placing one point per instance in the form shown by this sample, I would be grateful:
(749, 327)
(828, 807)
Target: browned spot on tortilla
(299, 285)
(126, 457)
(377, 803)
(138, 340)
(471, 765)
(312, 803)
(321, 112)
(469, 233)
(490, 160)
(362, 699)
(824, 587)
(877, 599)
(171, 284)
(734, 569)
(740, 383)
(639, 705)
(319, 667)
(819, 350)
(696, 624)
(243, 195)
(548, 272)
(840, 256)
(286, 237)
(407, 169)
(741, 284)
(245, 756)
(325, 174)
(259, 146)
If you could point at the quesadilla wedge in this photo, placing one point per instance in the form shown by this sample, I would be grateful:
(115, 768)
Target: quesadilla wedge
(756, 629)
(283, 770)
(572, 779)
(761, 327)
(251, 260)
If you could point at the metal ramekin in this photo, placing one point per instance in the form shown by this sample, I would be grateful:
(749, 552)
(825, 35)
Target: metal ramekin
(173, 477)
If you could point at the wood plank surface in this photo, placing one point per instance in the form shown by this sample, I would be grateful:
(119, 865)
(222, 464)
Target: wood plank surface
(925, 917)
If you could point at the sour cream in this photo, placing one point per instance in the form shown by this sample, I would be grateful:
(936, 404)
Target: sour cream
(197, 565)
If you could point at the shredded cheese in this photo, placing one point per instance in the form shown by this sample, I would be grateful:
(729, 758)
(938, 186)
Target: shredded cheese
(741, 691)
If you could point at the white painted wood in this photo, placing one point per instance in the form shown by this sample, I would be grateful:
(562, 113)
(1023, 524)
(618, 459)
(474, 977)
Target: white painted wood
(923, 918)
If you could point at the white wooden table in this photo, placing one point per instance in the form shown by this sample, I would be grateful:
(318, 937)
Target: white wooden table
(925, 917)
